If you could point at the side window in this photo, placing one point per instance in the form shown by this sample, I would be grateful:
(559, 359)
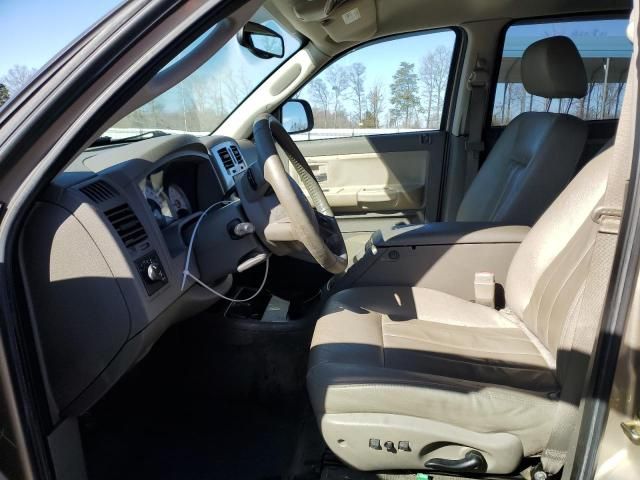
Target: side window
(390, 86)
(606, 53)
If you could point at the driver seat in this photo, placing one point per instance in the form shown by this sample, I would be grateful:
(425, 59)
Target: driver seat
(399, 376)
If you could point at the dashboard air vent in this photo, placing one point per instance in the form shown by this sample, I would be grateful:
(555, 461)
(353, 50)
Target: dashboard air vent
(236, 155)
(127, 225)
(225, 156)
(99, 191)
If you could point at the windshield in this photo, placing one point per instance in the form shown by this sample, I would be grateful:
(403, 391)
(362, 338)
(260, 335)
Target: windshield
(203, 100)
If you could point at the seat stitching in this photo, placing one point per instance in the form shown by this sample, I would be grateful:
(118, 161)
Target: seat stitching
(459, 324)
(516, 397)
(462, 347)
(575, 267)
(500, 335)
(471, 385)
(569, 325)
(549, 273)
(486, 364)
(508, 186)
(518, 338)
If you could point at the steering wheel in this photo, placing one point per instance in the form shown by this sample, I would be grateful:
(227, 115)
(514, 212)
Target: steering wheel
(289, 224)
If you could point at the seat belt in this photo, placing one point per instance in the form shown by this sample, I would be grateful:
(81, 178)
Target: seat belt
(608, 215)
(478, 85)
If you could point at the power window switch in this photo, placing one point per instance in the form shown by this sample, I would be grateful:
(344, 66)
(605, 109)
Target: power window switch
(375, 443)
(404, 446)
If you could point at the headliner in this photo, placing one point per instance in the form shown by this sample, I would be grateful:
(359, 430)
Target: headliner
(400, 16)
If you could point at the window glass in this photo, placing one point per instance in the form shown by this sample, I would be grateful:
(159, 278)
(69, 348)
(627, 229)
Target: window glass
(605, 50)
(202, 101)
(33, 31)
(391, 86)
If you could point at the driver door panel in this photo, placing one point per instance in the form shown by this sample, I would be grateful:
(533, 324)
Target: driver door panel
(377, 181)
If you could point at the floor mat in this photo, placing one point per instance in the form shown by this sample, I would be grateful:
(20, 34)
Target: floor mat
(240, 441)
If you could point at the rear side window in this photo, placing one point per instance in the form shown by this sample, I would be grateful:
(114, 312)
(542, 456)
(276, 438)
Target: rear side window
(606, 53)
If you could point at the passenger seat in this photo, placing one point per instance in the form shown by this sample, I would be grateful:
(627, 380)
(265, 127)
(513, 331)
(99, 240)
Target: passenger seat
(537, 154)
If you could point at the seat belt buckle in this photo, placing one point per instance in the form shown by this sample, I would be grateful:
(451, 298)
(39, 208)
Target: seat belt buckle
(484, 286)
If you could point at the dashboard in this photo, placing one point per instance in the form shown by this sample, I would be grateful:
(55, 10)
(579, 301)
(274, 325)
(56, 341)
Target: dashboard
(103, 252)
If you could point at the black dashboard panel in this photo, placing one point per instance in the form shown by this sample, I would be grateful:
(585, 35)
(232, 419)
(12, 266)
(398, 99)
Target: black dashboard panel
(101, 298)
(171, 192)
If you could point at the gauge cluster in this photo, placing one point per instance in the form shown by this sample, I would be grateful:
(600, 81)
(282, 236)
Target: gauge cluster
(168, 201)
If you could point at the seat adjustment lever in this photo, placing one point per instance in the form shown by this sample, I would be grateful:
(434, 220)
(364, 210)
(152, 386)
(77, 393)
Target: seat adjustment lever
(473, 461)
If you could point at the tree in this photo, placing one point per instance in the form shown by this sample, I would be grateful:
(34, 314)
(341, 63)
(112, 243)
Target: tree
(4, 94)
(17, 78)
(355, 77)
(338, 82)
(434, 74)
(237, 87)
(320, 97)
(375, 100)
(442, 64)
(404, 94)
(427, 80)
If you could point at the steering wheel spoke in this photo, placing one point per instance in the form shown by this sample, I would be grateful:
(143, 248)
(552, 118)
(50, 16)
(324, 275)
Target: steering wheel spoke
(280, 231)
(312, 226)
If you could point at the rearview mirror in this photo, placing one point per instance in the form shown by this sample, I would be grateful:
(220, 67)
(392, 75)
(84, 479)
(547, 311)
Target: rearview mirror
(261, 41)
(296, 116)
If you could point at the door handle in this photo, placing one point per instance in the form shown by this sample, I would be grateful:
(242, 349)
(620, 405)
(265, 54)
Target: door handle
(632, 430)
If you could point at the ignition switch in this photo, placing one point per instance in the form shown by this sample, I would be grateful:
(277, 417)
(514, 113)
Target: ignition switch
(238, 229)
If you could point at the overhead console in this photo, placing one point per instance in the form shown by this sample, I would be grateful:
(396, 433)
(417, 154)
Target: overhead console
(343, 20)
(444, 256)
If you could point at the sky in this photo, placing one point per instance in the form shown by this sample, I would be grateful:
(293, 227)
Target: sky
(382, 59)
(36, 30)
(33, 31)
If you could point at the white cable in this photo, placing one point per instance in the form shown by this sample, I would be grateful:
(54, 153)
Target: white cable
(207, 287)
(186, 273)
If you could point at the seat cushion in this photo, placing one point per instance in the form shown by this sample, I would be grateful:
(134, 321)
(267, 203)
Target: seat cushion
(424, 353)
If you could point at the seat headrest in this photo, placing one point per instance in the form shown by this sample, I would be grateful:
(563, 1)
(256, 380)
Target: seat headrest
(553, 68)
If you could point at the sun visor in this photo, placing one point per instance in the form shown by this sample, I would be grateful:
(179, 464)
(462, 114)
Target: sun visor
(344, 21)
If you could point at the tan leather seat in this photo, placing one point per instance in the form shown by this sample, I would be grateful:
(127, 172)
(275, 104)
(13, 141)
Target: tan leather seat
(420, 366)
(536, 155)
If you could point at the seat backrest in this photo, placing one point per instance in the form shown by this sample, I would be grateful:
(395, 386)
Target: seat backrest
(537, 154)
(549, 270)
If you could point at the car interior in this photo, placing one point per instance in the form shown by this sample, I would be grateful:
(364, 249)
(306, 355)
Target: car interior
(304, 292)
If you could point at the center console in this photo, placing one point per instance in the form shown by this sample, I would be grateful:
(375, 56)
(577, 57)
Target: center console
(444, 256)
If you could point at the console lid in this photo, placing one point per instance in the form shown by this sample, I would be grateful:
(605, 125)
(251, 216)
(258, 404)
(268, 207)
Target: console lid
(449, 233)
